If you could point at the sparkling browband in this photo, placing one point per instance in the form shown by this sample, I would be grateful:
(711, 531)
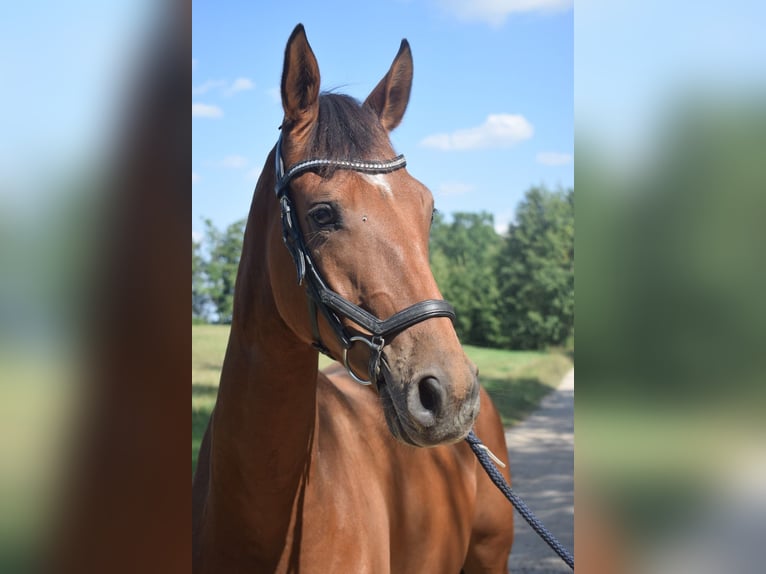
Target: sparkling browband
(364, 166)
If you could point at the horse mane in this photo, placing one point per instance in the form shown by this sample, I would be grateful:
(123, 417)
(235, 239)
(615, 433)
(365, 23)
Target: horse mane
(346, 130)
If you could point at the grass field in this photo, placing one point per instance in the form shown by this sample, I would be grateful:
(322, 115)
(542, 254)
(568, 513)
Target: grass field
(516, 380)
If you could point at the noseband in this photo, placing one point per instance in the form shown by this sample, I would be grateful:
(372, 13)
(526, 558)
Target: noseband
(323, 299)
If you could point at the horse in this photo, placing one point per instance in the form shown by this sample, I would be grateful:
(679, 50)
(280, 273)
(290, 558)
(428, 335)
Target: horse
(363, 467)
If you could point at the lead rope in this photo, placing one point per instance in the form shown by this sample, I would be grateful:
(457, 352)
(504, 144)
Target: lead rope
(481, 452)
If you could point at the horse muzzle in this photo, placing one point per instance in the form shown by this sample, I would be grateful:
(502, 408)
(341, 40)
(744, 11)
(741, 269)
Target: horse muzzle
(427, 411)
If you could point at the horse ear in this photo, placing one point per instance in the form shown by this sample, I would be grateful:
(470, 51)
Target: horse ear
(300, 81)
(389, 98)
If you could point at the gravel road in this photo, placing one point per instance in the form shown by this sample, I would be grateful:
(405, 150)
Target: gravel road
(541, 451)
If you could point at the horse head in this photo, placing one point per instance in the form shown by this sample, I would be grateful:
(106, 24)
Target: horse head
(357, 225)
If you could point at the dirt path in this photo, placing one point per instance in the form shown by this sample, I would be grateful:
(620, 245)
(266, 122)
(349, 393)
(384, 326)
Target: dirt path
(541, 451)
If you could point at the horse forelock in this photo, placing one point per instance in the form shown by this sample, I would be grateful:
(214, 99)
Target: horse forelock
(346, 130)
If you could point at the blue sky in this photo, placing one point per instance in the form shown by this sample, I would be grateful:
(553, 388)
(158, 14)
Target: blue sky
(66, 69)
(490, 114)
(638, 60)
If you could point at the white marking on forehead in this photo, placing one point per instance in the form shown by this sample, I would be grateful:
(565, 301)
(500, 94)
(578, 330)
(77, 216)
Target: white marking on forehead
(379, 180)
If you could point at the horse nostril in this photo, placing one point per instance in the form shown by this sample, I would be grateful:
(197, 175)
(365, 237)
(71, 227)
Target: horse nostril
(429, 395)
(425, 401)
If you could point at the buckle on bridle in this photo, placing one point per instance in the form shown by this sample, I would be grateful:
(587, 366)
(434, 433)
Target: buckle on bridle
(289, 235)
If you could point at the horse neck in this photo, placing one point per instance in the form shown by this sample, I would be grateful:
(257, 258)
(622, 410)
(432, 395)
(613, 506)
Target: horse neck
(263, 424)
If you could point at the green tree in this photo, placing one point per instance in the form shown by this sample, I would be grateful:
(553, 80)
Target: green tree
(199, 293)
(463, 253)
(224, 249)
(536, 271)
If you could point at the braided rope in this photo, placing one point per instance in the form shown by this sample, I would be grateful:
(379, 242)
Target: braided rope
(480, 451)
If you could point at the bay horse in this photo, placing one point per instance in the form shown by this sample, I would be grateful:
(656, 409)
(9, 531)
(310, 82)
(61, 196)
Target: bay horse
(307, 471)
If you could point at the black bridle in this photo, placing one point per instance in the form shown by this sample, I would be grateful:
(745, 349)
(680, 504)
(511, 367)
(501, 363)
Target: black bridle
(323, 299)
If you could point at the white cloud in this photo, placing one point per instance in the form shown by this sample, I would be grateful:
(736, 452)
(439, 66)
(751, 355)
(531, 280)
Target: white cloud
(503, 220)
(240, 85)
(194, 64)
(200, 110)
(197, 236)
(554, 158)
(455, 188)
(495, 12)
(498, 130)
(233, 162)
(207, 86)
(195, 178)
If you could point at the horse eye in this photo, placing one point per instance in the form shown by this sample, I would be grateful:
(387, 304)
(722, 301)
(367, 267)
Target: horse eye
(323, 215)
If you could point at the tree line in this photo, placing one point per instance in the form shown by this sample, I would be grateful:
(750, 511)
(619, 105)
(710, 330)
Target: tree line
(513, 291)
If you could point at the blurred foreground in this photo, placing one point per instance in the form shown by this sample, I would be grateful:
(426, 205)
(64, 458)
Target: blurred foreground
(671, 465)
(93, 335)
